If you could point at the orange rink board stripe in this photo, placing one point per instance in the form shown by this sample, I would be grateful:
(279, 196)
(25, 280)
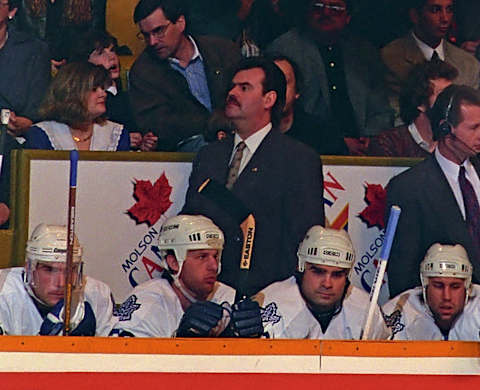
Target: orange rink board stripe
(147, 381)
(238, 347)
(203, 356)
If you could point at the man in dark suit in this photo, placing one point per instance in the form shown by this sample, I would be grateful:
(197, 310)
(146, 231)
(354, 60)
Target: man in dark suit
(279, 179)
(439, 196)
(178, 80)
(431, 20)
(343, 74)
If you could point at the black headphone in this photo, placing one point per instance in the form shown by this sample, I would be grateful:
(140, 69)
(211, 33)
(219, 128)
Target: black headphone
(445, 127)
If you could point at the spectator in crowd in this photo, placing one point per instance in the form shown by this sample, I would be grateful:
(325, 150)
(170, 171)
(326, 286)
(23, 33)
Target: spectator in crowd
(342, 73)
(284, 194)
(25, 67)
(31, 298)
(446, 305)
(439, 196)
(319, 302)
(262, 21)
(10, 143)
(431, 21)
(60, 22)
(187, 301)
(296, 123)
(73, 113)
(178, 80)
(252, 24)
(100, 48)
(425, 82)
(467, 26)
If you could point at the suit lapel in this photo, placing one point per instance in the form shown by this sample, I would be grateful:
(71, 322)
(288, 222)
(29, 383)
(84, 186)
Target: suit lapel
(413, 54)
(220, 160)
(213, 72)
(440, 193)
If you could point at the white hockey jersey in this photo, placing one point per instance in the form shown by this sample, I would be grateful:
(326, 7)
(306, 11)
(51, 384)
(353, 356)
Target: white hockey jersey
(20, 316)
(154, 309)
(409, 318)
(286, 315)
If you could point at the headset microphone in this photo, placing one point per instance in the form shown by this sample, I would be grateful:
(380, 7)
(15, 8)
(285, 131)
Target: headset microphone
(454, 136)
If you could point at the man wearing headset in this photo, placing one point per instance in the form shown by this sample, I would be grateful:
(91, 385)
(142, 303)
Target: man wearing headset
(439, 196)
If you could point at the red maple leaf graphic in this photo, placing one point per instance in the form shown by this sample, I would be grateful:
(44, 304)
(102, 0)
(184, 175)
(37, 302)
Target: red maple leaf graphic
(376, 199)
(152, 201)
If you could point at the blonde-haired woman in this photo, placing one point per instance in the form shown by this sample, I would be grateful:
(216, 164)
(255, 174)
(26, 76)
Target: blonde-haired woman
(73, 113)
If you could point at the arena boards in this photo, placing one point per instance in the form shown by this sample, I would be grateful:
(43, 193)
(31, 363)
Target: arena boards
(96, 363)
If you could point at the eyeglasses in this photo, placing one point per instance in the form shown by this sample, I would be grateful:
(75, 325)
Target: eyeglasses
(158, 32)
(335, 9)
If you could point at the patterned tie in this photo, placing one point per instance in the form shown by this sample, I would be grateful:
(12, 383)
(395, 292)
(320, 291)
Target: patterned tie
(235, 165)
(435, 56)
(472, 209)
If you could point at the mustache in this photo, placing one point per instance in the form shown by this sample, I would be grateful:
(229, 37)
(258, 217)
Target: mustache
(232, 100)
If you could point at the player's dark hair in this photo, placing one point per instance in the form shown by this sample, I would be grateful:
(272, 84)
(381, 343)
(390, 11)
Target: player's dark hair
(274, 80)
(172, 9)
(418, 88)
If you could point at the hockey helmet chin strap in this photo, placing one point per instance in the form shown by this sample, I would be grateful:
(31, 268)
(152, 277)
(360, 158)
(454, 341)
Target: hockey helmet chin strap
(184, 291)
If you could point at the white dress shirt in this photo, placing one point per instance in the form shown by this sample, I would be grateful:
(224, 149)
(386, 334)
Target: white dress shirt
(252, 143)
(427, 50)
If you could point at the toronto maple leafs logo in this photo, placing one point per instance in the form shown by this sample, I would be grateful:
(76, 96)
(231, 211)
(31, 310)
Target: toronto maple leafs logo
(125, 310)
(152, 200)
(269, 313)
(376, 199)
(393, 322)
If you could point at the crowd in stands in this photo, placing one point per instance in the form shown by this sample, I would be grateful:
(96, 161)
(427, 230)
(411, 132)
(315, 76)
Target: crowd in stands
(247, 84)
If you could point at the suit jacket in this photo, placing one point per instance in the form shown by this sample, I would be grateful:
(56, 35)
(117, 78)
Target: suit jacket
(282, 185)
(363, 74)
(430, 214)
(162, 101)
(401, 55)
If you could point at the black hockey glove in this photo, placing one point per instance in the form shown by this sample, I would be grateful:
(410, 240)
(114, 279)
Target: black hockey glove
(246, 320)
(199, 319)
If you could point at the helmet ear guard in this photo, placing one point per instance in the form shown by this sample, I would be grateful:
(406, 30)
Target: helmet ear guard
(447, 261)
(326, 246)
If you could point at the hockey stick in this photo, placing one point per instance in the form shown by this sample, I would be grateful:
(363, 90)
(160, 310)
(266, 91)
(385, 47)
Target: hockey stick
(378, 279)
(70, 242)
(226, 200)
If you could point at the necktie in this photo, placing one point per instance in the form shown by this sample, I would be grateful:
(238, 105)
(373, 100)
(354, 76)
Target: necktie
(472, 209)
(435, 56)
(235, 165)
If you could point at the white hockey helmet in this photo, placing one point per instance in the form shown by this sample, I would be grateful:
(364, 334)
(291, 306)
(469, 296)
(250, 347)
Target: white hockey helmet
(446, 261)
(326, 246)
(187, 232)
(48, 244)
